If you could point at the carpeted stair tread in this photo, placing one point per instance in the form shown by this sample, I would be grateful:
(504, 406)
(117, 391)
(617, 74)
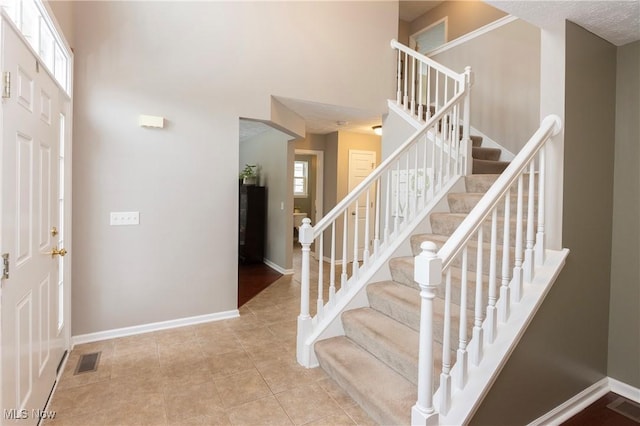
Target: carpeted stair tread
(389, 340)
(383, 393)
(488, 167)
(482, 153)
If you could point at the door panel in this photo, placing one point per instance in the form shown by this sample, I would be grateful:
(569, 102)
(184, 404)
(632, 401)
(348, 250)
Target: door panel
(29, 197)
(361, 164)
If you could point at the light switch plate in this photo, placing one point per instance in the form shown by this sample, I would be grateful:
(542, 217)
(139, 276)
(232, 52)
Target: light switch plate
(124, 218)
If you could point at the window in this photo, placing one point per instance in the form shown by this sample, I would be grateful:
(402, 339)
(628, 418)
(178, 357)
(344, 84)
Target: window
(300, 178)
(31, 18)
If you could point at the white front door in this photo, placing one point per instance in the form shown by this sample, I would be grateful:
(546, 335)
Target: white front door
(361, 164)
(31, 346)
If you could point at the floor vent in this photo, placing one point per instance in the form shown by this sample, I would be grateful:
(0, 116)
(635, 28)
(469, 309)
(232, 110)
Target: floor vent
(88, 363)
(626, 408)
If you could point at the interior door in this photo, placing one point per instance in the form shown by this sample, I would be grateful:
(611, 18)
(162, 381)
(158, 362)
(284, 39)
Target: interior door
(30, 347)
(361, 164)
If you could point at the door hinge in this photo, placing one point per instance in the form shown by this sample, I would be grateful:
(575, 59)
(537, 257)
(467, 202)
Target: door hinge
(6, 85)
(5, 266)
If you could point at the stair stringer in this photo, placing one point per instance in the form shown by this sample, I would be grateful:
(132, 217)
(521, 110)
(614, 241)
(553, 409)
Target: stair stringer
(481, 377)
(355, 294)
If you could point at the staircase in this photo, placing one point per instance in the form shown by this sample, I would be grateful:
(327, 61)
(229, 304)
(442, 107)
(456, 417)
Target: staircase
(428, 293)
(376, 361)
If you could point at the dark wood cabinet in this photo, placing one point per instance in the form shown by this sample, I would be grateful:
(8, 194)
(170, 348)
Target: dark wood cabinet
(253, 215)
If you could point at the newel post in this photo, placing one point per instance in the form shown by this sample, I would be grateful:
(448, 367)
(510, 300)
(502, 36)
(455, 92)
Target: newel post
(467, 146)
(305, 236)
(428, 274)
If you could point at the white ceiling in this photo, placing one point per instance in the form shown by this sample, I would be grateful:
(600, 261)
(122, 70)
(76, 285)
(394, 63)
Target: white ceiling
(614, 20)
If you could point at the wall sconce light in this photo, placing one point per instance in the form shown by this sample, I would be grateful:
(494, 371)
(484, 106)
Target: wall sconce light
(377, 130)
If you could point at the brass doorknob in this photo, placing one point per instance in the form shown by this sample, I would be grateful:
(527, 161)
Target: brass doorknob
(55, 252)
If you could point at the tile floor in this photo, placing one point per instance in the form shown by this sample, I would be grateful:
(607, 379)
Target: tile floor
(238, 371)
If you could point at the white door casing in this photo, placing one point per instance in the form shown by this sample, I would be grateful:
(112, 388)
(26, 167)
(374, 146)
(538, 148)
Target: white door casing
(361, 164)
(30, 345)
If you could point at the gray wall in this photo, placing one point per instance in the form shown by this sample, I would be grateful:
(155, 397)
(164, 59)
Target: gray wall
(269, 150)
(564, 350)
(202, 65)
(624, 319)
(505, 97)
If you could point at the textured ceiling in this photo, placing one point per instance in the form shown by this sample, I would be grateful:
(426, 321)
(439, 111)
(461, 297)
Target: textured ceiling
(615, 21)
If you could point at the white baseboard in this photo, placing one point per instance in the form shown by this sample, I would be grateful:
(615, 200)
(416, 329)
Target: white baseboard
(277, 267)
(585, 398)
(147, 328)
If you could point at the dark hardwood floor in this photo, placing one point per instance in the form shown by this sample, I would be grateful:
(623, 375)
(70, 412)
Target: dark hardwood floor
(598, 414)
(252, 279)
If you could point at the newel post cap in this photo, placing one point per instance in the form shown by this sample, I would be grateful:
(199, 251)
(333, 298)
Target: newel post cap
(428, 266)
(305, 233)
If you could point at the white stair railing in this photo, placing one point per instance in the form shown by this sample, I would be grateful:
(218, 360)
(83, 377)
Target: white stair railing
(366, 223)
(503, 220)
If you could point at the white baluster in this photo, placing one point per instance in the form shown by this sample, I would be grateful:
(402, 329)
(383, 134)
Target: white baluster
(517, 269)
(405, 100)
(387, 214)
(540, 244)
(491, 308)
(420, 100)
(305, 236)
(478, 317)
(445, 376)
(332, 273)
(428, 274)
(344, 276)
(355, 266)
(437, 98)
(428, 100)
(468, 166)
(425, 183)
(399, 78)
(431, 172)
(396, 219)
(407, 207)
(367, 210)
(413, 86)
(462, 358)
(320, 301)
(376, 238)
(528, 253)
(416, 182)
(506, 266)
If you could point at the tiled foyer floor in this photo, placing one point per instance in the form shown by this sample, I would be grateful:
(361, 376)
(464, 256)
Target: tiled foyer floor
(237, 371)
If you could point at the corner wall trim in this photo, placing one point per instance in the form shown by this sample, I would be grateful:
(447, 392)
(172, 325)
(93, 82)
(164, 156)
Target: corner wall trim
(624, 389)
(155, 326)
(585, 398)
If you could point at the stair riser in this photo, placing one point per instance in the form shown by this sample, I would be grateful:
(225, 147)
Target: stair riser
(472, 256)
(482, 183)
(464, 203)
(488, 167)
(480, 153)
(403, 274)
(404, 360)
(446, 225)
